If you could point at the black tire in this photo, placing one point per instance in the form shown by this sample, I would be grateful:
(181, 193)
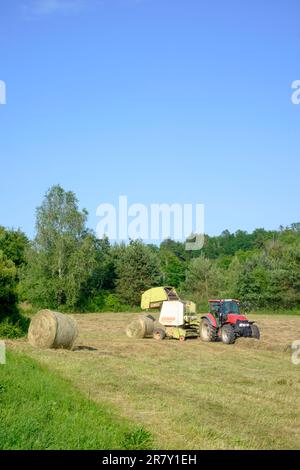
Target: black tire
(228, 334)
(150, 317)
(159, 334)
(207, 331)
(255, 332)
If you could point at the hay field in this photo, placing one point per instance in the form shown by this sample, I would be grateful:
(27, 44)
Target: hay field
(190, 395)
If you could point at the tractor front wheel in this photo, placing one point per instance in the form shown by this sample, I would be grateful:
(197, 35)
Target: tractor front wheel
(159, 334)
(207, 331)
(228, 334)
(255, 332)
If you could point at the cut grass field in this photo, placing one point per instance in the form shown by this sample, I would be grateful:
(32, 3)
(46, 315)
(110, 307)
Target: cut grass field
(190, 395)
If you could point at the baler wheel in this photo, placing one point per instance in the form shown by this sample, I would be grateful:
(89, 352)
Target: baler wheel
(159, 334)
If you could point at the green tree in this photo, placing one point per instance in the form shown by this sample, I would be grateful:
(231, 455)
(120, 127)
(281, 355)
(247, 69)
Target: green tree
(173, 269)
(253, 281)
(203, 279)
(8, 295)
(62, 257)
(175, 248)
(268, 278)
(138, 269)
(102, 281)
(13, 243)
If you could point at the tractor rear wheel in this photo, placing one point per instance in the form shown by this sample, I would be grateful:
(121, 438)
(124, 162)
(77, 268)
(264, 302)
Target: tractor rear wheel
(159, 334)
(255, 332)
(228, 334)
(207, 331)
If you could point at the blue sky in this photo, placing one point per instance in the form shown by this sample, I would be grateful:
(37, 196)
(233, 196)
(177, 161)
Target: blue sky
(163, 101)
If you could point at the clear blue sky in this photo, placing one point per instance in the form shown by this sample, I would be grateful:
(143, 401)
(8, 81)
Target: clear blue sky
(160, 100)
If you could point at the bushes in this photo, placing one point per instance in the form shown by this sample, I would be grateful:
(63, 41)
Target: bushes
(11, 330)
(269, 278)
(12, 324)
(106, 302)
(8, 294)
(138, 269)
(13, 243)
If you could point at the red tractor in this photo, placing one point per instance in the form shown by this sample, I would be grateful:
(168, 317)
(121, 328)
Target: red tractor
(225, 321)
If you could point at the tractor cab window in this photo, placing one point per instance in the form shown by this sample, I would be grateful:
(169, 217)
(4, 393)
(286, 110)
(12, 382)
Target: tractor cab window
(215, 308)
(231, 307)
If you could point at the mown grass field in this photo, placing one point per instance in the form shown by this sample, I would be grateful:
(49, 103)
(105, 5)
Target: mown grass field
(190, 395)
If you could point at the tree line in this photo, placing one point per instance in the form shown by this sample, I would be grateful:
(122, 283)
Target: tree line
(66, 267)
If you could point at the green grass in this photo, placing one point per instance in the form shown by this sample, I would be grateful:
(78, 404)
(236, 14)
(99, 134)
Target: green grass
(41, 410)
(191, 395)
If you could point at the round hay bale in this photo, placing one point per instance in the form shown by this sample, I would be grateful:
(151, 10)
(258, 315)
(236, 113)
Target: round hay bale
(52, 330)
(140, 328)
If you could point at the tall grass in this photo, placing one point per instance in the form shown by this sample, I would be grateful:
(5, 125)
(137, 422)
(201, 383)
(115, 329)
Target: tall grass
(40, 410)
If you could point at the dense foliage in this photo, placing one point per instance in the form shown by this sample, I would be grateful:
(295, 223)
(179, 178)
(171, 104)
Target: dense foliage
(68, 268)
(62, 257)
(8, 293)
(13, 244)
(12, 323)
(137, 269)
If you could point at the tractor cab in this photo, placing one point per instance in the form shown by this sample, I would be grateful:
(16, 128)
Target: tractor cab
(220, 309)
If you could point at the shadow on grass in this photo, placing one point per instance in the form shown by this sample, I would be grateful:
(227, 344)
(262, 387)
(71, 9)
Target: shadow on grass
(84, 348)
